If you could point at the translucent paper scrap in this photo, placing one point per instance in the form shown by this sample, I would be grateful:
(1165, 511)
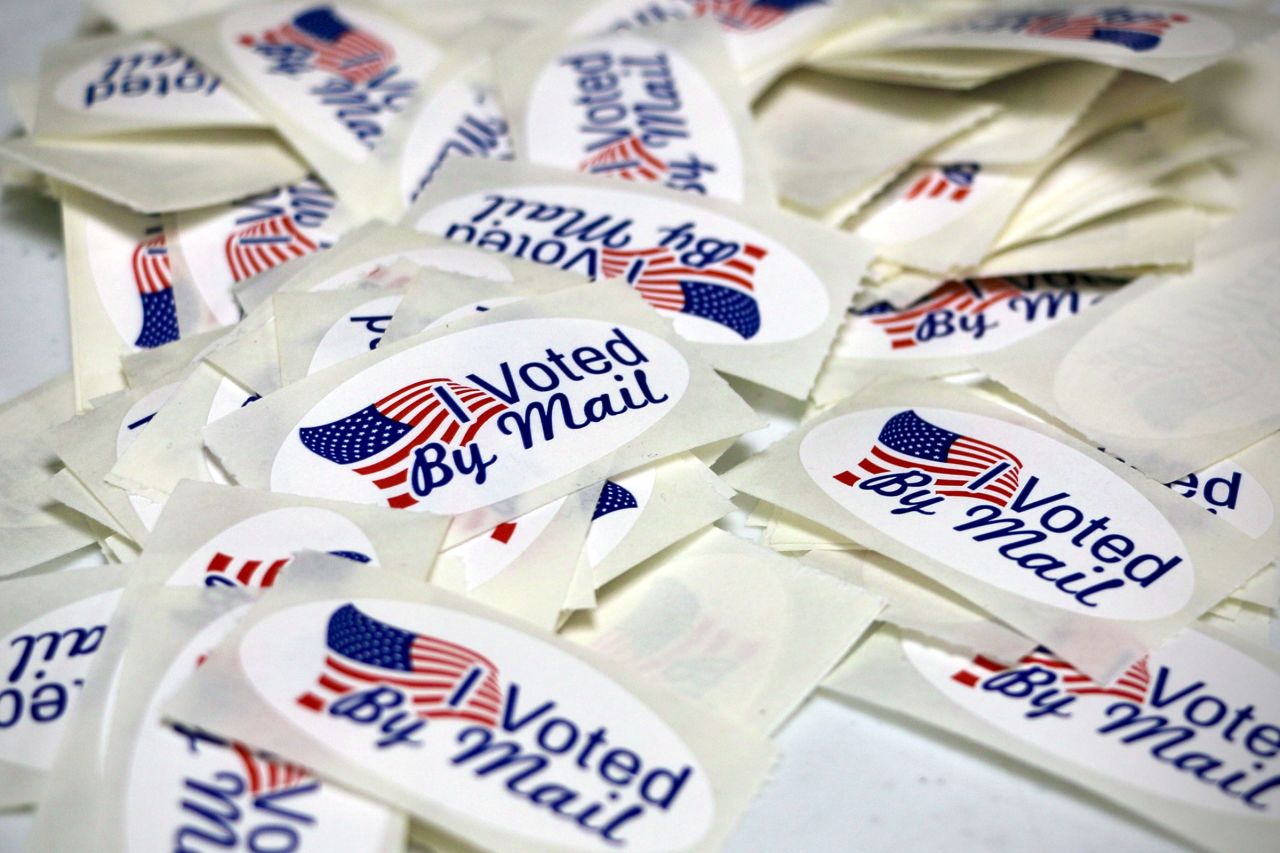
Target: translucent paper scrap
(729, 624)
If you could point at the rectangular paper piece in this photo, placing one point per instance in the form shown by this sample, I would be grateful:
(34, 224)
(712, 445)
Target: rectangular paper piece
(761, 293)
(1185, 739)
(502, 411)
(512, 738)
(1063, 543)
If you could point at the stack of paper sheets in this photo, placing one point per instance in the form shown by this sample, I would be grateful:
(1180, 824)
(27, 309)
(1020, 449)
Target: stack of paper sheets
(489, 425)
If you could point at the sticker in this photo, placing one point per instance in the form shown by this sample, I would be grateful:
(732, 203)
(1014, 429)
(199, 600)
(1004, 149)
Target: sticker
(1007, 505)
(719, 280)
(341, 72)
(147, 80)
(253, 552)
(636, 109)
(45, 664)
(1196, 721)
(358, 332)
(497, 413)
(968, 317)
(570, 741)
(219, 791)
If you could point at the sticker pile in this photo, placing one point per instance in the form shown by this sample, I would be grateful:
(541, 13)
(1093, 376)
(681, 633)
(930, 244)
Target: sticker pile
(490, 423)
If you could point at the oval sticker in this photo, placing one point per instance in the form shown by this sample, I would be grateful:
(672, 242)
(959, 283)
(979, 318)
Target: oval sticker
(624, 106)
(1006, 505)
(342, 72)
(252, 552)
(1174, 725)
(481, 415)
(718, 280)
(524, 735)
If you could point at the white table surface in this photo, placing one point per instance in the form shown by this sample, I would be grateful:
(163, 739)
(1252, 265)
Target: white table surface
(847, 779)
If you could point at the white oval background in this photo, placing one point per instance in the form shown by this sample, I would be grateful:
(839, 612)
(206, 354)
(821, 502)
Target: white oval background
(840, 443)
(553, 119)
(297, 470)
(282, 656)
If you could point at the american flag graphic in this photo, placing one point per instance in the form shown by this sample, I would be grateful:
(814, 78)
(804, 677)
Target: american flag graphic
(722, 292)
(226, 570)
(969, 298)
(961, 466)
(259, 247)
(1133, 685)
(442, 680)
(749, 15)
(951, 183)
(378, 441)
(153, 277)
(268, 776)
(612, 499)
(629, 159)
(332, 45)
(1136, 31)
